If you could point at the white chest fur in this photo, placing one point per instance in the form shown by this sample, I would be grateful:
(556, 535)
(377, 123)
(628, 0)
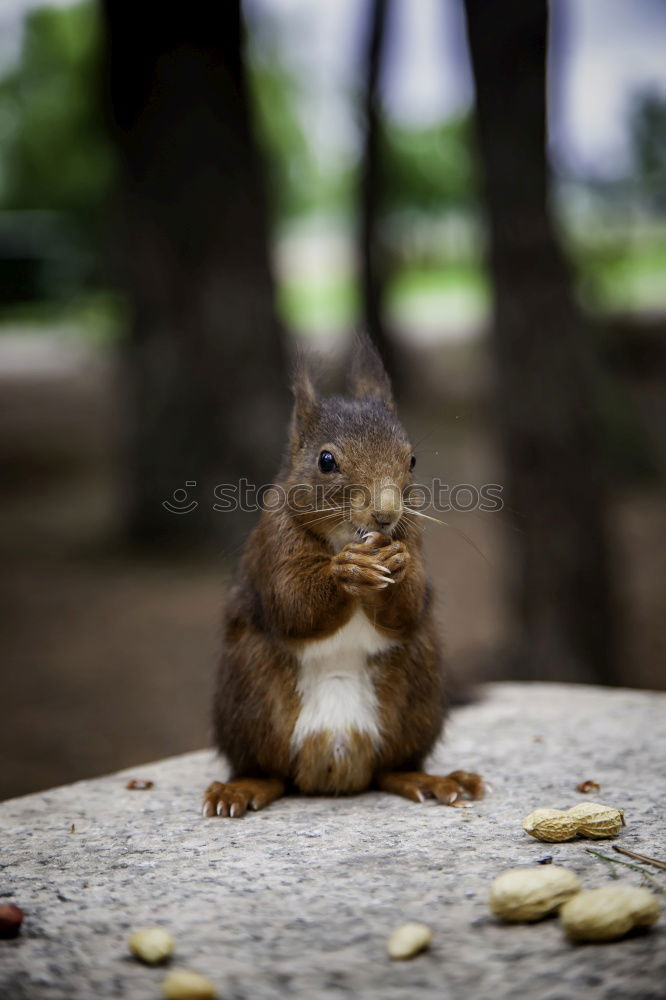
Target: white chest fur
(335, 683)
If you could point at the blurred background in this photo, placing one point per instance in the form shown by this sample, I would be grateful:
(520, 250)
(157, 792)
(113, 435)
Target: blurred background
(187, 199)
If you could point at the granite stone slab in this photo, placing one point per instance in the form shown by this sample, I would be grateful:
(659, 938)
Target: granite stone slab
(298, 901)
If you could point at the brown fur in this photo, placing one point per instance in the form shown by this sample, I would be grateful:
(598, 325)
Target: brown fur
(321, 770)
(293, 587)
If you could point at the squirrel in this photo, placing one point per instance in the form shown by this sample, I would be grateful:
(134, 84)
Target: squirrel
(331, 678)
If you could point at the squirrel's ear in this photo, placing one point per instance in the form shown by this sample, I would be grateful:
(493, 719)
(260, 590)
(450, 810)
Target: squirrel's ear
(305, 402)
(368, 377)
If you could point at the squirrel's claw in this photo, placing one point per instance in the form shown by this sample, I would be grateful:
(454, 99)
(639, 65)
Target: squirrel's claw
(449, 789)
(473, 784)
(234, 798)
(363, 566)
(382, 569)
(357, 571)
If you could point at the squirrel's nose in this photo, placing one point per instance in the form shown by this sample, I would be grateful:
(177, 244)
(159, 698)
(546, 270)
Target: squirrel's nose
(382, 519)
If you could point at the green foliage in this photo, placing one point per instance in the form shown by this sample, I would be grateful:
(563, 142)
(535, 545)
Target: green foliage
(54, 153)
(424, 169)
(292, 173)
(429, 169)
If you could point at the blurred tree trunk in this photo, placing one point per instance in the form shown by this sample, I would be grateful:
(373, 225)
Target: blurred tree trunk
(546, 369)
(373, 276)
(207, 399)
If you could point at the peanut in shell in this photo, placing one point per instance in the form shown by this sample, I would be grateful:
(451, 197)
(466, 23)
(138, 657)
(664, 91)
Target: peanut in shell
(151, 945)
(551, 825)
(597, 821)
(408, 940)
(609, 913)
(181, 984)
(587, 819)
(523, 895)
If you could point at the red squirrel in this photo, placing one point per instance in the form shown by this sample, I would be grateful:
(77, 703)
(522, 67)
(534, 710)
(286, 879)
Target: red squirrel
(330, 679)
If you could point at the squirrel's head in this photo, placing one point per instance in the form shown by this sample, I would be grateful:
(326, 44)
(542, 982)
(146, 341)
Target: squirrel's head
(350, 457)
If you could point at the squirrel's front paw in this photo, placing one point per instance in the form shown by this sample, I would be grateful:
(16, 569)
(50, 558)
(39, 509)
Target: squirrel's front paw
(357, 570)
(393, 556)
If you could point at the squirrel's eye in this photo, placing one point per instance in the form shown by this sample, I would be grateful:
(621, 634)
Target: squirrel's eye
(327, 462)
(412, 462)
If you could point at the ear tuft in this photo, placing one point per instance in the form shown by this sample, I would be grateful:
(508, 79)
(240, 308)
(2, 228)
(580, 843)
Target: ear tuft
(368, 377)
(305, 401)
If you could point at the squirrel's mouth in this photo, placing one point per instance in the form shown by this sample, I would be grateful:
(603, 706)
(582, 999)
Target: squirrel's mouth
(362, 532)
(344, 532)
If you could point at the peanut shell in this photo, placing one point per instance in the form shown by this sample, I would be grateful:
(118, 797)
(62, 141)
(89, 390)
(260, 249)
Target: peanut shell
(181, 984)
(595, 820)
(609, 913)
(551, 825)
(152, 945)
(408, 940)
(527, 894)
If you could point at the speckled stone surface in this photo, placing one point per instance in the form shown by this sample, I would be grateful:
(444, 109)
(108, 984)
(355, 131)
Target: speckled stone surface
(298, 901)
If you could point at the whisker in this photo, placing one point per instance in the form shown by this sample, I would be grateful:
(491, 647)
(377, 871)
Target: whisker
(504, 521)
(322, 510)
(401, 528)
(428, 517)
(319, 520)
(326, 517)
(325, 510)
(423, 438)
(447, 524)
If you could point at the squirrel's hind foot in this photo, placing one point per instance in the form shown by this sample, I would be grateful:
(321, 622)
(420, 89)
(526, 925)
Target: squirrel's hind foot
(234, 798)
(451, 789)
